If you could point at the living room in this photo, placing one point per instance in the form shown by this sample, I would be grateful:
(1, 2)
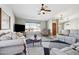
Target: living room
(39, 29)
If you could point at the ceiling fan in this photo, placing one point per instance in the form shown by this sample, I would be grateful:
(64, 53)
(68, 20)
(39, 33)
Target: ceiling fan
(44, 9)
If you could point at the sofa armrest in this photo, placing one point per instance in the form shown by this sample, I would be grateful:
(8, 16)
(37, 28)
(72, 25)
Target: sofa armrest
(57, 51)
(11, 42)
(75, 45)
(23, 38)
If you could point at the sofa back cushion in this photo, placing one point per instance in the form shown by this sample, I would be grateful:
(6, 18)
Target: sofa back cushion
(13, 35)
(67, 39)
(74, 32)
(70, 40)
(61, 38)
(65, 32)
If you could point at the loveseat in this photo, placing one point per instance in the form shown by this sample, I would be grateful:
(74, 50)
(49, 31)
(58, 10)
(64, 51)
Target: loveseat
(72, 50)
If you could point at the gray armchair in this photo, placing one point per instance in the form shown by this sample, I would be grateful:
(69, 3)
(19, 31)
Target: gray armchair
(44, 32)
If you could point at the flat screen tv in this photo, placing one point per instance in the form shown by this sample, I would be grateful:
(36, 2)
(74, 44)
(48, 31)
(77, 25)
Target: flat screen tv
(19, 28)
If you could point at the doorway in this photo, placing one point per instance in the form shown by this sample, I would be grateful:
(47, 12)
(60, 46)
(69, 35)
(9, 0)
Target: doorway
(54, 29)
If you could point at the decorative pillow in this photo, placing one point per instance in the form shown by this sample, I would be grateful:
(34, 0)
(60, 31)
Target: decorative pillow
(8, 38)
(2, 34)
(65, 32)
(9, 34)
(70, 40)
(19, 34)
(13, 35)
(5, 37)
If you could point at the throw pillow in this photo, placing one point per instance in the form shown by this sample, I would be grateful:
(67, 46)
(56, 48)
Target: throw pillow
(19, 34)
(13, 35)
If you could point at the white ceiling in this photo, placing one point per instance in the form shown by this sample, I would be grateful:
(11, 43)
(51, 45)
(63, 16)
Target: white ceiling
(30, 11)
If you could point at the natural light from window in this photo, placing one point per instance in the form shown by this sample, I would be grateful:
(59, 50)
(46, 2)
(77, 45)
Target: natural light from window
(32, 27)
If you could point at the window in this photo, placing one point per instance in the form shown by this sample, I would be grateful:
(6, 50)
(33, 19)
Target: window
(32, 27)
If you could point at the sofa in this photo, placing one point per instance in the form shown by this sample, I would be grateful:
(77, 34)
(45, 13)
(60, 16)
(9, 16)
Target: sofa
(10, 44)
(67, 39)
(70, 33)
(70, 36)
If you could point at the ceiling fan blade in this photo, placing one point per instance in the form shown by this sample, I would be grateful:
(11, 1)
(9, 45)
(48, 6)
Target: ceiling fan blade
(43, 9)
(48, 10)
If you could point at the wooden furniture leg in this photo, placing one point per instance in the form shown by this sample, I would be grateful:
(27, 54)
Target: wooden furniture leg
(33, 43)
(40, 42)
(24, 49)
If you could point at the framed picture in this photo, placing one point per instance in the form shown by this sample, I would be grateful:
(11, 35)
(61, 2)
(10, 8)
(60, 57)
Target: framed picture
(5, 21)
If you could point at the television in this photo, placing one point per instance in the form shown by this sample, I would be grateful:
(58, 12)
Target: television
(19, 28)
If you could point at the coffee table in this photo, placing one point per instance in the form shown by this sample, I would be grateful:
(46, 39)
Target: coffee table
(34, 41)
(38, 39)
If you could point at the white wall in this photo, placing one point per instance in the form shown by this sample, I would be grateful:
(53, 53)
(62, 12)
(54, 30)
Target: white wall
(50, 25)
(23, 21)
(43, 25)
(60, 27)
(78, 23)
(73, 24)
(20, 21)
(9, 12)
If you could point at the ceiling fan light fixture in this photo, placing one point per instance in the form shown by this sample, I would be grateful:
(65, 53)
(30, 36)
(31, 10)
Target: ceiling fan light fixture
(43, 12)
(44, 9)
